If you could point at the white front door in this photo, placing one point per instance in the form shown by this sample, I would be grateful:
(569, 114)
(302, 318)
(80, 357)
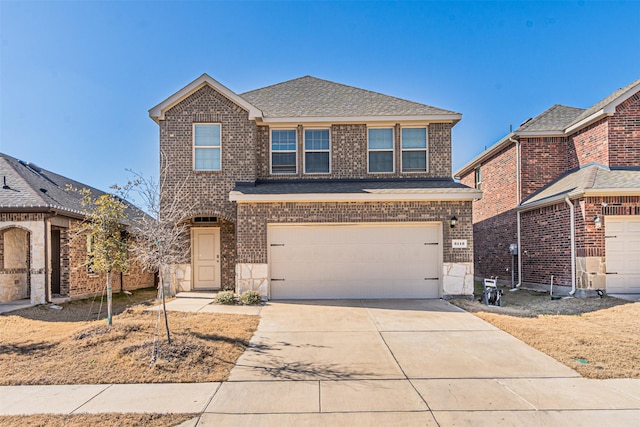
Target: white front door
(206, 258)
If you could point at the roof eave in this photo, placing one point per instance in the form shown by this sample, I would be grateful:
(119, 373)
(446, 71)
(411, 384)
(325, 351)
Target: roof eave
(157, 113)
(588, 120)
(541, 133)
(432, 118)
(591, 192)
(477, 161)
(469, 195)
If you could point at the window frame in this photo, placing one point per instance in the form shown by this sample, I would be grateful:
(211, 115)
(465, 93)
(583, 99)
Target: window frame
(425, 149)
(478, 177)
(305, 151)
(383, 150)
(271, 151)
(206, 147)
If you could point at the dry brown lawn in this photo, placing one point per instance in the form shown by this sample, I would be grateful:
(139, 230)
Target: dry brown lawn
(40, 345)
(598, 337)
(84, 420)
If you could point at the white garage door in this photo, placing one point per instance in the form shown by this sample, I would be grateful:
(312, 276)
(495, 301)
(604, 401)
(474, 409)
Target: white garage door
(622, 246)
(354, 260)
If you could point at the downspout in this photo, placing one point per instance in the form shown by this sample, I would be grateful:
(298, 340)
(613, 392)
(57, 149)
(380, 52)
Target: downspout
(518, 200)
(573, 245)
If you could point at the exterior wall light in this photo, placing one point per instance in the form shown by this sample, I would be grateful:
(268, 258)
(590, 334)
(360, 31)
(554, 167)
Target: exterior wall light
(453, 221)
(598, 222)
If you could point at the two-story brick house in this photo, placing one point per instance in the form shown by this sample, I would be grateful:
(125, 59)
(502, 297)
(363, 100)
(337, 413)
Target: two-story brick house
(43, 251)
(314, 189)
(565, 186)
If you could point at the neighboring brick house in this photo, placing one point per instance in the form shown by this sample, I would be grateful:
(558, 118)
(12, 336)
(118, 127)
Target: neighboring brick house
(314, 189)
(42, 251)
(566, 160)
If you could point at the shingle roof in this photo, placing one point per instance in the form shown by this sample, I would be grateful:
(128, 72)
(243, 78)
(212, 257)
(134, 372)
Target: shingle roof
(603, 103)
(312, 97)
(31, 188)
(321, 186)
(556, 118)
(589, 177)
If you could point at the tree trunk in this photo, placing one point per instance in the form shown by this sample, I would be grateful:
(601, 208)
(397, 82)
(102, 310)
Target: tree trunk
(109, 296)
(164, 309)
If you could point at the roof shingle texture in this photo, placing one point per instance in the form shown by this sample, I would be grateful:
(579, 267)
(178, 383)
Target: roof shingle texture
(591, 177)
(32, 188)
(352, 186)
(312, 97)
(556, 118)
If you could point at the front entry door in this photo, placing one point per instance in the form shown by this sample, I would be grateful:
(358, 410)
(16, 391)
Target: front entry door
(55, 262)
(206, 258)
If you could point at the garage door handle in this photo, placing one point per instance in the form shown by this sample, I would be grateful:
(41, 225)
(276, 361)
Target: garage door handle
(277, 280)
(427, 244)
(611, 272)
(430, 278)
(610, 237)
(277, 244)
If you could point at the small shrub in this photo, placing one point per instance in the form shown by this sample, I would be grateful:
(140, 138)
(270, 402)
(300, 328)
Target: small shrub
(250, 298)
(225, 297)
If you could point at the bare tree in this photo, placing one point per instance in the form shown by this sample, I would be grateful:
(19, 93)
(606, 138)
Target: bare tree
(161, 238)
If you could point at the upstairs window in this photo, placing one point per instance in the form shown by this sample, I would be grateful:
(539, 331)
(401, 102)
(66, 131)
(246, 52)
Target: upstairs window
(206, 147)
(380, 147)
(283, 151)
(414, 149)
(317, 151)
(478, 178)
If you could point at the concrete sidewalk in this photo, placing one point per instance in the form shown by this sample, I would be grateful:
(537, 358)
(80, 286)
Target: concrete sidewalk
(366, 363)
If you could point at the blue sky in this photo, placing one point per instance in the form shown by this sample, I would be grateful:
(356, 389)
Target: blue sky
(77, 77)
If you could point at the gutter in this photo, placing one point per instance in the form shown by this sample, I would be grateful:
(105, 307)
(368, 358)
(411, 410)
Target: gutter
(573, 245)
(518, 198)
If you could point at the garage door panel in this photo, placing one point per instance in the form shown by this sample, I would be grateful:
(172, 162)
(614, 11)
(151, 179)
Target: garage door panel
(622, 247)
(354, 261)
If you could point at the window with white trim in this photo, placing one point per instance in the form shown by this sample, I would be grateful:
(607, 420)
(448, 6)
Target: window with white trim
(478, 178)
(380, 147)
(317, 151)
(414, 149)
(283, 151)
(206, 146)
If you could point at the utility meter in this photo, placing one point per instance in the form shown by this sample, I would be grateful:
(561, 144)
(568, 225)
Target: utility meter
(513, 249)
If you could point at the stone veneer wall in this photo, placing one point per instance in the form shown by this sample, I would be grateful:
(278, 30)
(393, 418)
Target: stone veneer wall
(254, 217)
(34, 273)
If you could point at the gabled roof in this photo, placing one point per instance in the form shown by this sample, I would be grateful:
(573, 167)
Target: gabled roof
(607, 106)
(590, 180)
(157, 112)
(313, 98)
(554, 119)
(29, 188)
(310, 99)
(558, 120)
(353, 190)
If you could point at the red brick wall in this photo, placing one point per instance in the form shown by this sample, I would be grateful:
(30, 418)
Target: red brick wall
(543, 160)
(494, 216)
(491, 240)
(590, 144)
(624, 133)
(546, 245)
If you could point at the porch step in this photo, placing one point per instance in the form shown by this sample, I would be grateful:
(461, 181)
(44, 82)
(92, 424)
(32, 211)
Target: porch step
(197, 294)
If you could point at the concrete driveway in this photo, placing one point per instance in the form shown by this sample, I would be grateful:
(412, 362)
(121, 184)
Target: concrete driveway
(396, 363)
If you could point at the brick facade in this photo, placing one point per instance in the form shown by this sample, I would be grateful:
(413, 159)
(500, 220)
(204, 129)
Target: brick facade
(543, 160)
(624, 133)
